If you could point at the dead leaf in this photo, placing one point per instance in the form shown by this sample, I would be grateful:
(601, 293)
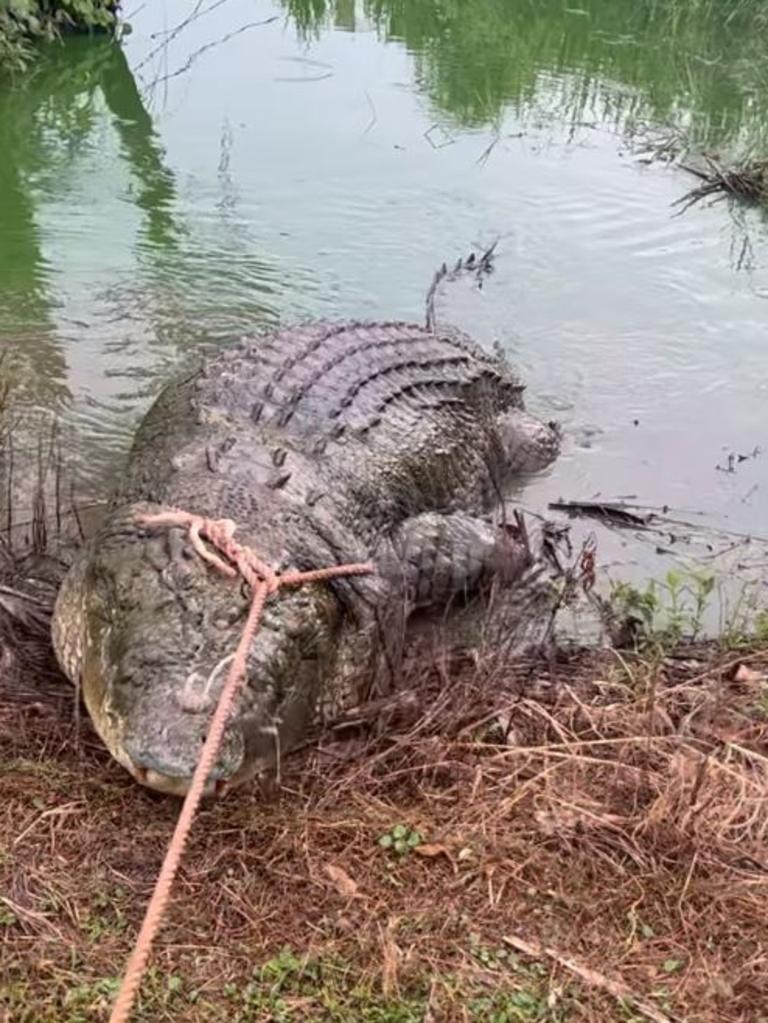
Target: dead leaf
(748, 676)
(342, 882)
(431, 851)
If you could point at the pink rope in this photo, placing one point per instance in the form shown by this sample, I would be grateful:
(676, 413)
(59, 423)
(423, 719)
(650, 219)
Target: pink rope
(263, 581)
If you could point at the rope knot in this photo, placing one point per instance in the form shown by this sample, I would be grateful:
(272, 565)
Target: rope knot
(220, 534)
(240, 559)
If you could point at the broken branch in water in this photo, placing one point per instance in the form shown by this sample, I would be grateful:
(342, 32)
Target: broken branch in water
(616, 513)
(671, 531)
(748, 182)
(745, 179)
(648, 518)
(208, 46)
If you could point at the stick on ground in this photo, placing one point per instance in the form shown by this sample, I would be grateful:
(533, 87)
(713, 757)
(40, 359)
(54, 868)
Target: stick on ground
(591, 977)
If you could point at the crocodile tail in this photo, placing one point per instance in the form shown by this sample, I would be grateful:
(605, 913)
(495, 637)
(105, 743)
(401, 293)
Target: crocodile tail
(475, 267)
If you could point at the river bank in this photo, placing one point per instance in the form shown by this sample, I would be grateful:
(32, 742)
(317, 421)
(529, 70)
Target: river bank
(578, 838)
(574, 838)
(26, 23)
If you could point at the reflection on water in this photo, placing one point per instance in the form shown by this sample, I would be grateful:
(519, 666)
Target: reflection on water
(102, 285)
(703, 65)
(50, 121)
(238, 164)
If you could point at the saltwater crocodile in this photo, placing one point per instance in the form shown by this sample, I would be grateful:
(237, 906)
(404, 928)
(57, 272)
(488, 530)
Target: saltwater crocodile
(325, 443)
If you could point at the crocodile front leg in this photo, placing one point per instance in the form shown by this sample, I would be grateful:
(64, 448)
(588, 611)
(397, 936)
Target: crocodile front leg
(438, 562)
(435, 559)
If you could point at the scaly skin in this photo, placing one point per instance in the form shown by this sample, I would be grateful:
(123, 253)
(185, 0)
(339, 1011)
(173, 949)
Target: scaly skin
(325, 444)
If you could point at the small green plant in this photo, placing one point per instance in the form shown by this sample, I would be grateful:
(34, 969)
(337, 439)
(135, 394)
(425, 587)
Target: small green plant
(745, 623)
(25, 22)
(89, 998)
(518, 1006)
(663, 612)
(289, 988)
(7, 917)
(489, 958)
(759, 710)
(283, 970)
(639, 928)
(106, 915)
(401, 839)
(634, 609)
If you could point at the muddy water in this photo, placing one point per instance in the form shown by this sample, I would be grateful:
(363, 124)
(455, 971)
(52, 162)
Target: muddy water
(259, 162)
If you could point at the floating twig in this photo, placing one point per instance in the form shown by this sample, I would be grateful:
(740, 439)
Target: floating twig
(209, 46)
(448, 140)
(615, 513)
(374, 115)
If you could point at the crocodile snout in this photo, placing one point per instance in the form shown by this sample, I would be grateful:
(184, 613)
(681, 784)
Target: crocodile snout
(171, 785)
(164, 758)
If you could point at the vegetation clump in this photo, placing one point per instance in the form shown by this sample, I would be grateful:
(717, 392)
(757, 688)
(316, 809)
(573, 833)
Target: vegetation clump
(747, 181)
(585, 840)
(26, 22)
(556, 838)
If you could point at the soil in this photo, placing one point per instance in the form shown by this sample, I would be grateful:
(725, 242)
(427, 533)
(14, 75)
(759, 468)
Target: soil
(579, 838)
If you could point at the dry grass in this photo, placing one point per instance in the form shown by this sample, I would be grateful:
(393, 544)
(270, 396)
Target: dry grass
(744, 179)
(593, 847)
(748, 182)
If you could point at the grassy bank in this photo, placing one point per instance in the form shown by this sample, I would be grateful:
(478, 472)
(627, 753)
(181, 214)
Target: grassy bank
(23, 23)
(580, 839)
(577, 837)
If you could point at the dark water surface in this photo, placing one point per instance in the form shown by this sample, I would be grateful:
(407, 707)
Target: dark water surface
(239, 163)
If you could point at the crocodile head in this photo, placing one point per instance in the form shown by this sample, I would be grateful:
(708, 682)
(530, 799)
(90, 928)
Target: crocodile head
(148, 630)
